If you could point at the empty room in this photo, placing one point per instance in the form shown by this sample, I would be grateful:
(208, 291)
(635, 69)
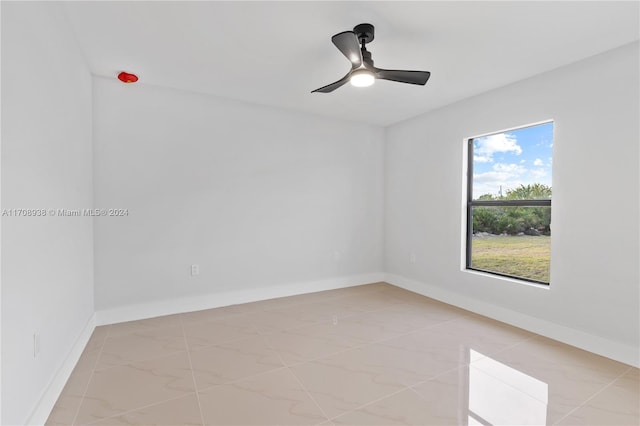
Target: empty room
(320, 213)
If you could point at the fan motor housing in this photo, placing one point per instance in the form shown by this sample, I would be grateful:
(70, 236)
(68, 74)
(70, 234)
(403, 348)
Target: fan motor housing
(364, 32)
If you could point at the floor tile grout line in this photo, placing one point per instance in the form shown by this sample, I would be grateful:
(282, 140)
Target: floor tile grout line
(311, 324)
(242, 379)
(365, 344)
(321, 321)
(435, 376)
(142, 407)
(285, 365)
(598, 392)
(145, 329)
(313, 301)
(131, 362)
(351, 316)
(457, 367)
(506, 348)
(468, 365)
(404, 388)
(106, 336)
(193, 374)
(225, 322)
(189, 349)
(324, 321)
(198, 321)
(304, 388)
(401, 335)
(225, 342)
(123, 365)
(93, 370)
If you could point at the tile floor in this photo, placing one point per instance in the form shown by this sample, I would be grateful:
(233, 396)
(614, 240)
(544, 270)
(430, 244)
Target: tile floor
(367, 355)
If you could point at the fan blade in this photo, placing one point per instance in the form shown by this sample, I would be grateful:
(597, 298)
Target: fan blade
(347, 43)
(411, 77)
(333, 86)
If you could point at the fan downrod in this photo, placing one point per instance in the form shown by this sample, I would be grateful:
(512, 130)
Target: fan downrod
(364, 32)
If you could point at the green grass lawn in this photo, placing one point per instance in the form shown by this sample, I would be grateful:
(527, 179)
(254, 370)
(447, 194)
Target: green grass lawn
(519, 256)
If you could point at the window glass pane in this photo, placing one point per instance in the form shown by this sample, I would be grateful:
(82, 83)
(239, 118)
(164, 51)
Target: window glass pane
(514, 164)
(514, 241)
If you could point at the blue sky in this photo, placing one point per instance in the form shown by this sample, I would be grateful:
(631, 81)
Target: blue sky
(513, 158)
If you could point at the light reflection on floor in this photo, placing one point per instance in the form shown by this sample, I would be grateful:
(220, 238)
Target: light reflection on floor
(499, 394)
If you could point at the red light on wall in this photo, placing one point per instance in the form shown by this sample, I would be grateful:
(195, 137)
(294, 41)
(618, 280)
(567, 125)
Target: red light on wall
(125, 77)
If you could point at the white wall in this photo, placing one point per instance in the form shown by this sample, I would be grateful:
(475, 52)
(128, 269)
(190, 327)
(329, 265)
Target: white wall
(595, 251)
(256, 196)
(47, 263)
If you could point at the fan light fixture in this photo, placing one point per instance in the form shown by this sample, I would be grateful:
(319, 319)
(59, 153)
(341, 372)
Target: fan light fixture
(362, 78)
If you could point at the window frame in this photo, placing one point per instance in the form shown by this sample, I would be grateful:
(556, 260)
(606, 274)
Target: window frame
(470, 203)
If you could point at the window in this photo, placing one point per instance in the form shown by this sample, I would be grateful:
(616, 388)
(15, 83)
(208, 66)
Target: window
(509, 203)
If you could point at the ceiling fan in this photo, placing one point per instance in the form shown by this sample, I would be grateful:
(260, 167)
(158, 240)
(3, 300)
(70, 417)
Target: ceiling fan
(352, 44)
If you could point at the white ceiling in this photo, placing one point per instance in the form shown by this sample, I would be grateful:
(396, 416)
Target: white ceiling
(275, 53)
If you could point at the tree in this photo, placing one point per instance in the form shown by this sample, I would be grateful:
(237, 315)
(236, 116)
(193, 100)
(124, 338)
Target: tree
(514, 219)
(534, 191)
(486, 197)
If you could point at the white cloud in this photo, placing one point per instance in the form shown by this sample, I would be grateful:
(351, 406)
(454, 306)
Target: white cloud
(538, 162)
(514, 169)
(486, 146)
(482, 159)
(505, 176)
(538, 173)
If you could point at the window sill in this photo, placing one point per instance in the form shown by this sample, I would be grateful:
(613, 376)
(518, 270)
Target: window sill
(507, 279)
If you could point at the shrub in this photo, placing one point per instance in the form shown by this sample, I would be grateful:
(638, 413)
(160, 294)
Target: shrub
(514, 219)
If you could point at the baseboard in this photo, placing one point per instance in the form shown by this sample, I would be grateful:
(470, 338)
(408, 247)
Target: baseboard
(614, 350)
(43, 408)
(216, 300)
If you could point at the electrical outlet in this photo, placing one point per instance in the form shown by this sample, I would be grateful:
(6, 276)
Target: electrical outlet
(36, 344)
(195, 270)
(412, 258)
